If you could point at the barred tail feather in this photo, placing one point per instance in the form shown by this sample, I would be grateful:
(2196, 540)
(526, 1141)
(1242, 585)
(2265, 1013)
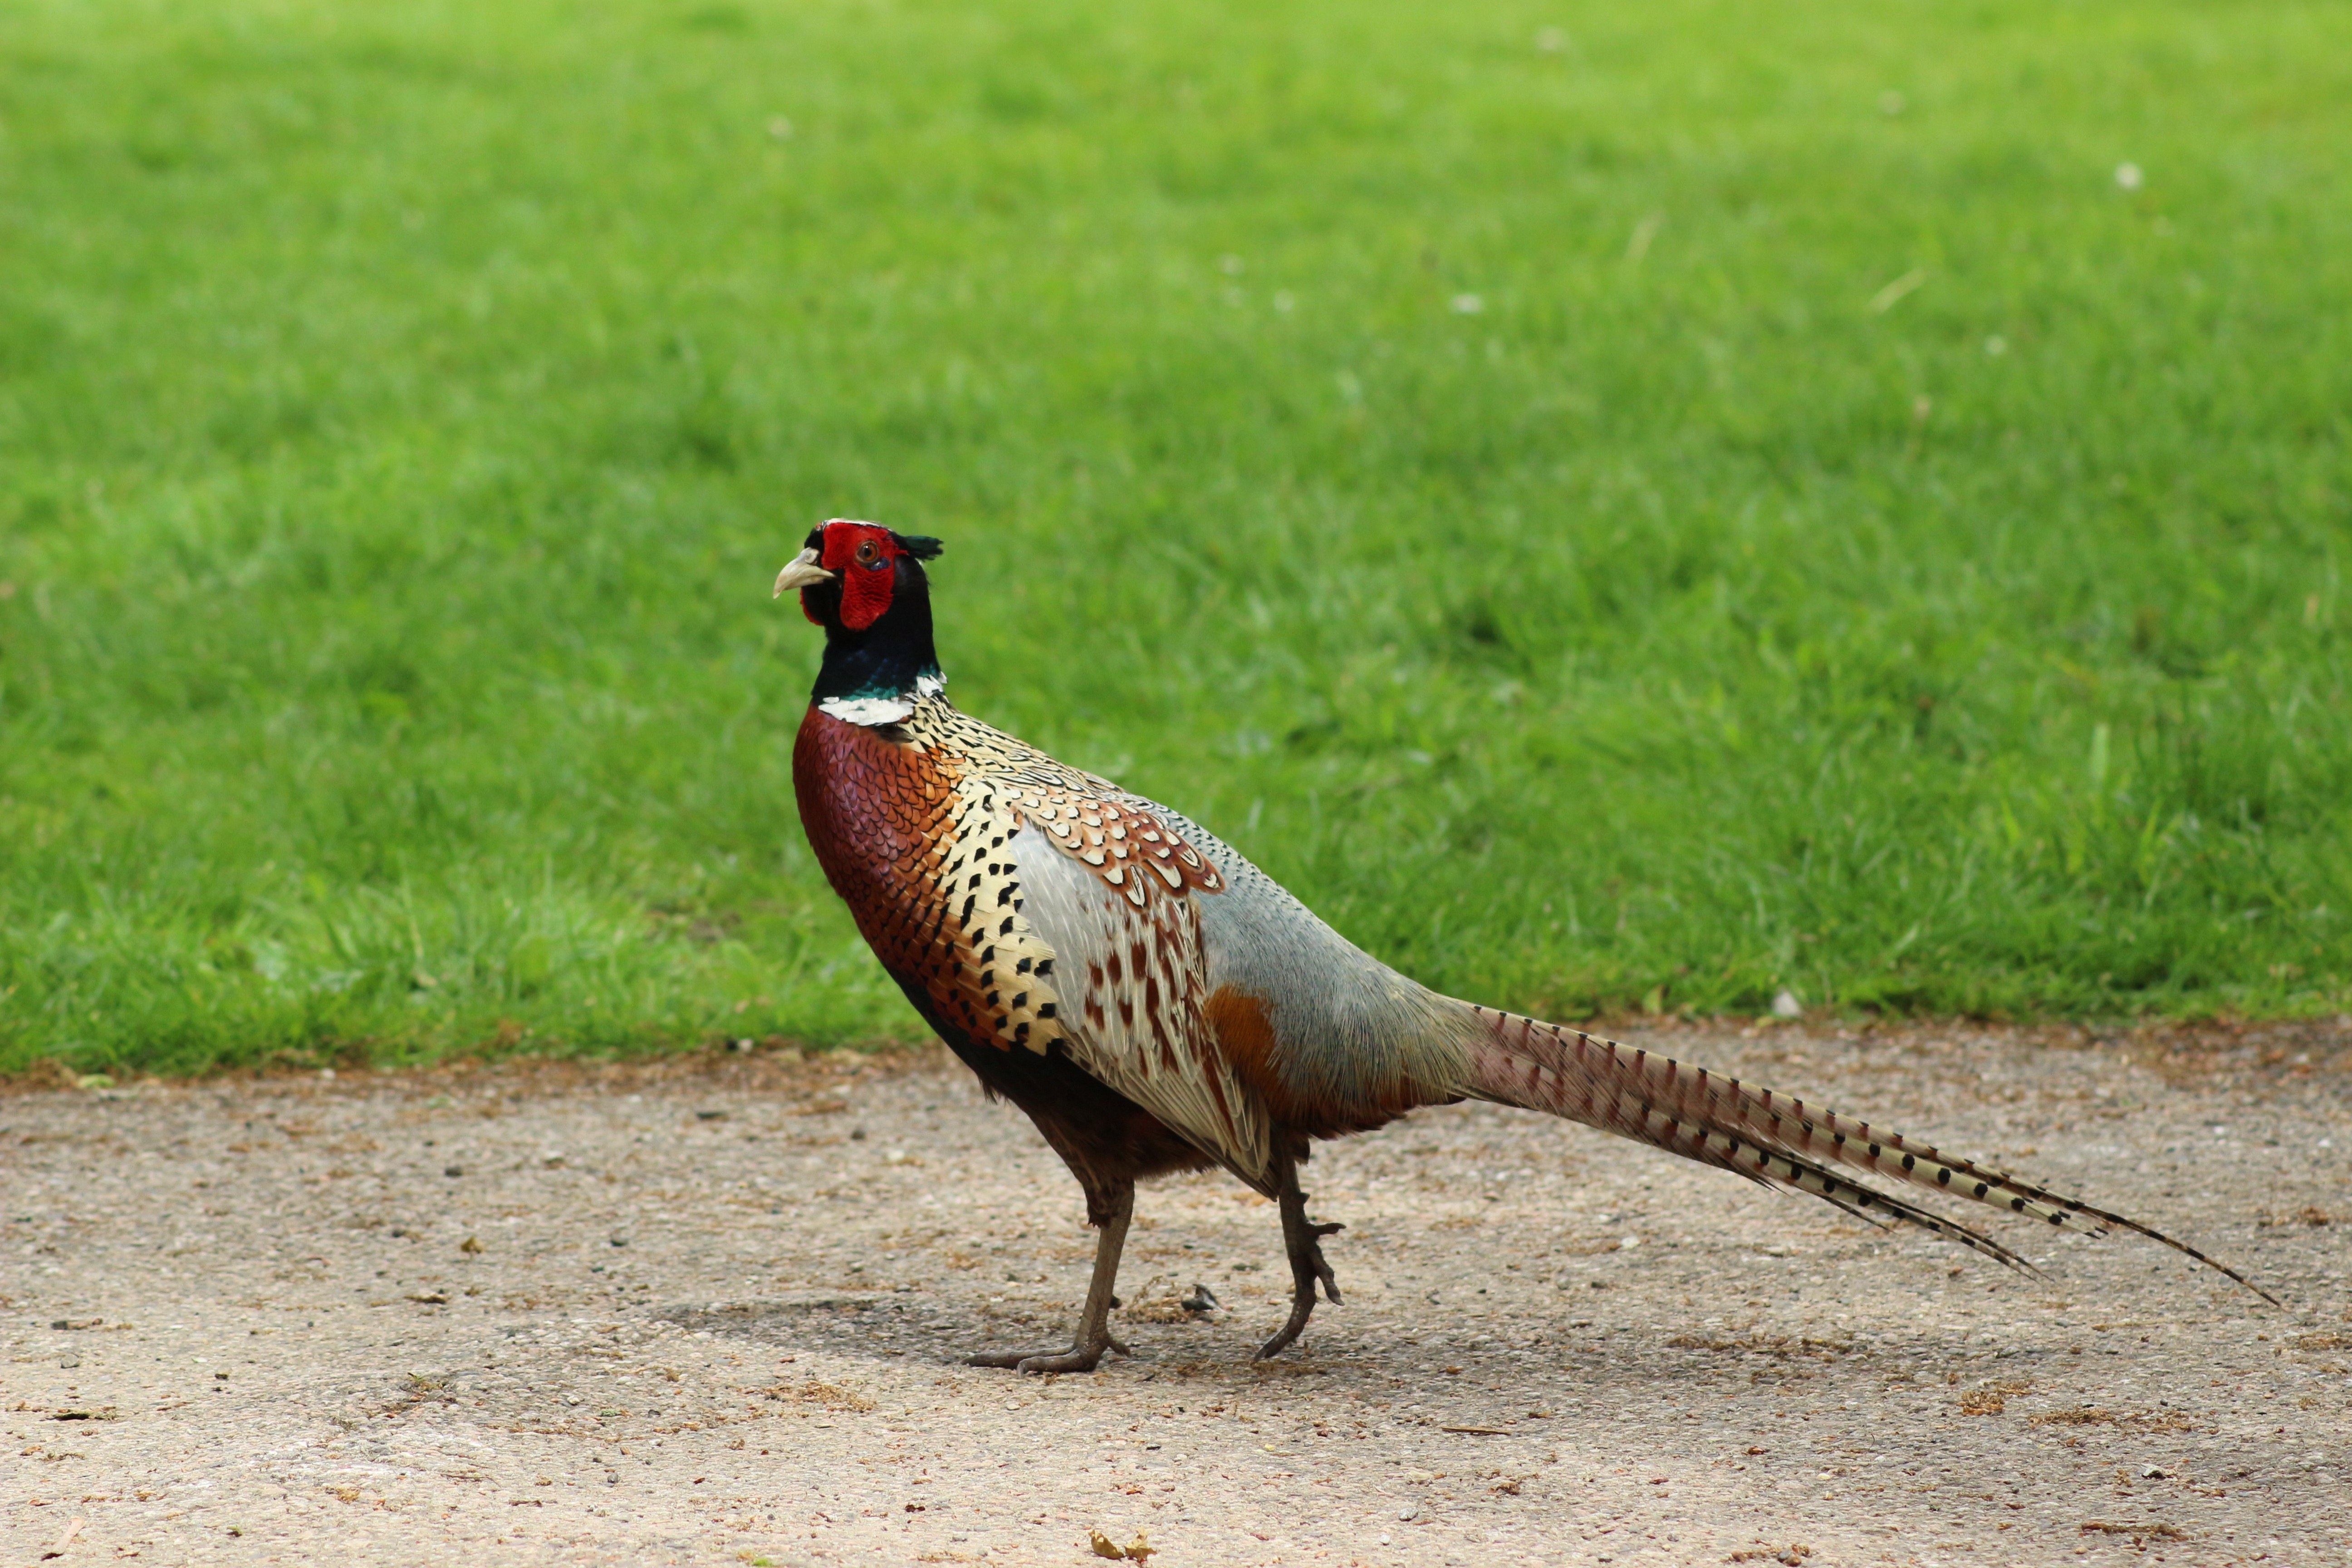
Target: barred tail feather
(1760, 1133)
(1783, 1171)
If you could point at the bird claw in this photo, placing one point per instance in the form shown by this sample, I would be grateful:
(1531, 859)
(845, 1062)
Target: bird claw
(1078, 1358)
(1315, 1260)
(1288, 1332)
(1307, 1268)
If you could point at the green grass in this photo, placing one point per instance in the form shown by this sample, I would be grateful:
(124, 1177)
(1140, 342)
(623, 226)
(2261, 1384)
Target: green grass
(1451, 452)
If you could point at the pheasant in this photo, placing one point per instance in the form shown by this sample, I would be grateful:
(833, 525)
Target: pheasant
(1157, 1003)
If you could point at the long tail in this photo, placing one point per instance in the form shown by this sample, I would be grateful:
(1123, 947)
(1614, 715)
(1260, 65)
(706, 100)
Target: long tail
(1762, 1134)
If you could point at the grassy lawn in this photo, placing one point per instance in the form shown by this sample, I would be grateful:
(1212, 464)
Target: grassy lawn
(1616, 506)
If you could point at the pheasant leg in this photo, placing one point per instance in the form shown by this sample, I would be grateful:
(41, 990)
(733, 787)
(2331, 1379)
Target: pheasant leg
(1303, 1239)
(1110, 1210)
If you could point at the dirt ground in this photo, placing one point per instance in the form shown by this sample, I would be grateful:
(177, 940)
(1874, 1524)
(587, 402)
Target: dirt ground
(711, 1310)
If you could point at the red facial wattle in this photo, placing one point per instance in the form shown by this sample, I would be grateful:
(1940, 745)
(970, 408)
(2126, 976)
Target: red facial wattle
(866, 557)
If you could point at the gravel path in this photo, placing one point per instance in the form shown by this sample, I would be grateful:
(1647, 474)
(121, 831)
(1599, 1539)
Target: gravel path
(710, 1311)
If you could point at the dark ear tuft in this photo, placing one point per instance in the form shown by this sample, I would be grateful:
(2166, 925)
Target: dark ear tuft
(816, 540)
(922, 547)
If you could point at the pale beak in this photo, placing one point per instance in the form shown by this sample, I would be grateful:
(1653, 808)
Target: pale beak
(803, 572)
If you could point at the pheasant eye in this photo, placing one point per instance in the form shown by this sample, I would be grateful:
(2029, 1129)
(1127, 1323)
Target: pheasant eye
(867, 555)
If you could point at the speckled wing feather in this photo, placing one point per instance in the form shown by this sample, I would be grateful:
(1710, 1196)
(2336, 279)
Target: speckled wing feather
(1137, 1014)
(1093, 891)
(1006, 970)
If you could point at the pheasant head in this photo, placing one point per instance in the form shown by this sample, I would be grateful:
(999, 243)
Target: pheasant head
(865, 584)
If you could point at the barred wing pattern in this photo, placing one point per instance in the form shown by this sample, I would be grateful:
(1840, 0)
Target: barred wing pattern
(1089, 935)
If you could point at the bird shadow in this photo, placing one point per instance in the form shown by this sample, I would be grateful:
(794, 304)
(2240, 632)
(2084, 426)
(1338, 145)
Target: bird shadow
(881, 1329)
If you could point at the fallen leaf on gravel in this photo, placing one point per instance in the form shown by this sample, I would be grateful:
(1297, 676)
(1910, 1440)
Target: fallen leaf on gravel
(1135, 1551)
(469, 1246)
(105, 1412)
(1476, 1431)
(430, 1297)
(77, 1323)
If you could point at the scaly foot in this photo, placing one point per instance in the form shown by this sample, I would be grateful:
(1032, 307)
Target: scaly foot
(1307, 1269)
(1080, 1357)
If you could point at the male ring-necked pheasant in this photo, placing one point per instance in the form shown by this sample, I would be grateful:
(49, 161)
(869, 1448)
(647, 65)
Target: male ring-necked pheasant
(1156, 1004)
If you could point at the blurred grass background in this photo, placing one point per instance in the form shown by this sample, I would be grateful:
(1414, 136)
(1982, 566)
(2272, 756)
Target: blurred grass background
(1617, 506)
